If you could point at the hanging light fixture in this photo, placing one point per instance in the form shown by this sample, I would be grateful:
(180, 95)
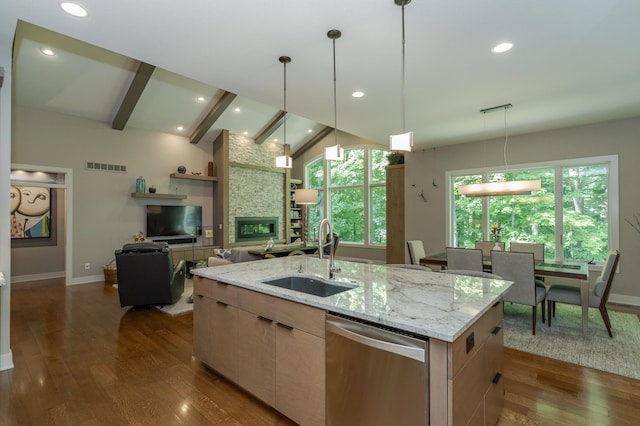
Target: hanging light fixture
(335, 152)
(403, 141)
(514, 187)
(284, 161)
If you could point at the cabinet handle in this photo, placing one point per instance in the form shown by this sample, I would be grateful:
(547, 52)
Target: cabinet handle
(496, 378)
(260, 317)
(496, 304)
(496, 330)
(221, 303)
(288, 327)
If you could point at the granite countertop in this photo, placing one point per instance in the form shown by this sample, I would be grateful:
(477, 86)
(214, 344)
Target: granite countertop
(432, 304)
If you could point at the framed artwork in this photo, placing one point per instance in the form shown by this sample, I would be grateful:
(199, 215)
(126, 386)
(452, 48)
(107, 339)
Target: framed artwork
(32, 211)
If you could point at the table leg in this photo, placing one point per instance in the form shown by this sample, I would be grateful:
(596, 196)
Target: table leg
(584, 296)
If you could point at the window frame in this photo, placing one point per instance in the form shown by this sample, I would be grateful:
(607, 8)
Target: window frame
(367, 186)
(613, 219)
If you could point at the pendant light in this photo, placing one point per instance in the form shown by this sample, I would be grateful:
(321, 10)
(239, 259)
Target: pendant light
(514, 187)
(335, 152)
(403, 141)
(284, 161)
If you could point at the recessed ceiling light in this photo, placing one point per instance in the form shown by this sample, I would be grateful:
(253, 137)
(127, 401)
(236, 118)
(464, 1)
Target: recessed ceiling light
(310, 131)
(74, 9)
(502, 47)
(48, 52)
(200, 99)
(237, 109)
(179, 128)
(275, 139)
(357, 94)
(245, 133)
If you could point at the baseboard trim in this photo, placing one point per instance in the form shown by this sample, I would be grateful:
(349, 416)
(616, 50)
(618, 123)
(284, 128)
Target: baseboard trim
(86, 280)
(621, 299)
(6, 361)
(36, 277)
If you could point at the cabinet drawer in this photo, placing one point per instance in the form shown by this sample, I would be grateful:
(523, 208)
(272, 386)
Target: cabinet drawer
(302, 317)
(469, 386)
(257, 303)
(477, 333)
(216, 290)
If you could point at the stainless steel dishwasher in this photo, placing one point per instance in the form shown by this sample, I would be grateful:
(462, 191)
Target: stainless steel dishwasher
(375, 375)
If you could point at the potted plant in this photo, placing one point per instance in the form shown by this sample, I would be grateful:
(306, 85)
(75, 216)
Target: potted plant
(395, 158)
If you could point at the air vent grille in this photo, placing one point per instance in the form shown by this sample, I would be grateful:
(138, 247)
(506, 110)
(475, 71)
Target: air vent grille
(105, 167)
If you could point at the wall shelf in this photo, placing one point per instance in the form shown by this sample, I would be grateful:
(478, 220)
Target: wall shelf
(156, 195)
(194, 177)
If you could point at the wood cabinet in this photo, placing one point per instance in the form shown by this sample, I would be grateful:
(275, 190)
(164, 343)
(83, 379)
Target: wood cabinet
(472, 368)
(193, 253)
(271, 347)
(395, 214)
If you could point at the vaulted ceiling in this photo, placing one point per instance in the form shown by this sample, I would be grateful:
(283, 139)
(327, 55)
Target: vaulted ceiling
(143, 64)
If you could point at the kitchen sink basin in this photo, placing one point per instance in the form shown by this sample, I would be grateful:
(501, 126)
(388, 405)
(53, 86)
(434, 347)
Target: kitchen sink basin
(309, 285)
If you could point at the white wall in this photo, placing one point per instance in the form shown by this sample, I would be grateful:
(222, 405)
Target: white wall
(105, 216)
(6, 360)
(426, 221)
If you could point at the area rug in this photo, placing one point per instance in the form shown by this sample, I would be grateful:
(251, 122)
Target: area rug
(181, 306)
(564, 340)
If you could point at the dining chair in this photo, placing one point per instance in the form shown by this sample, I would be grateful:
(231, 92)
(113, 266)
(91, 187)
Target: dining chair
(296, 253)
(536, 248)
(464, 259)
(416, 251)
(520, 268)
(598, 296)
(487, 246)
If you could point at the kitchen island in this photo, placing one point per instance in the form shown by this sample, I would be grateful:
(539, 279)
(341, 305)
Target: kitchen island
(271, 340)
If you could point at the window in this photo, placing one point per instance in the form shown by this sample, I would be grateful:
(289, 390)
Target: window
(574, 214)
(355, 198)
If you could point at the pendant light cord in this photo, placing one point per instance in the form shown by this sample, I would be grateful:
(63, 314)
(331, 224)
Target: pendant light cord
(404, 93)
(335, 103)
(284, 138)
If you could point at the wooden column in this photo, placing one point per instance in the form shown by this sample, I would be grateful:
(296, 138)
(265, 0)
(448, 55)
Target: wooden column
(395, 214)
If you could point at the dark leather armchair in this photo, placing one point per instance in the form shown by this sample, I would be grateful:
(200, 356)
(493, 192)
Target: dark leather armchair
(148, 276)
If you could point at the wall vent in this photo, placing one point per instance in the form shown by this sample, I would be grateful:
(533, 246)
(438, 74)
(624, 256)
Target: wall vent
(104, 167)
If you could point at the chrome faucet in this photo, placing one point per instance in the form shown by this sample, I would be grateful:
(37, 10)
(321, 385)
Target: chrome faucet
(331, 243)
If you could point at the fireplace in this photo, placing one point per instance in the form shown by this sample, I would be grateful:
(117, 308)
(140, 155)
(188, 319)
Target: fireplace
(256, 228)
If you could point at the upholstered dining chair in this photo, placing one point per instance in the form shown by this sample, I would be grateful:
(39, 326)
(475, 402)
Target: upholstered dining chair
(535, 248)
(464, 259)
(416, 251)
(598, 296)
(487, 246)
(520, 268)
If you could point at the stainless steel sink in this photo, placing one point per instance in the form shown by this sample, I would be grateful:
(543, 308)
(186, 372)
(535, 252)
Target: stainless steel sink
(309, 285)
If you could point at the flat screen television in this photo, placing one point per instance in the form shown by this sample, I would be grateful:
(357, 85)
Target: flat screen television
(173, 221)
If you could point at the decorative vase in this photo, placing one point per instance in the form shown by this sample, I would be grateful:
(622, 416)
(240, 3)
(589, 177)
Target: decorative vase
(497, 246)
(210, 168)
(182, 170)
(140, 184)
(152, 189)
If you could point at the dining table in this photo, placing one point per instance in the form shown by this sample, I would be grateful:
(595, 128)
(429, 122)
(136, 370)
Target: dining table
(578, 272)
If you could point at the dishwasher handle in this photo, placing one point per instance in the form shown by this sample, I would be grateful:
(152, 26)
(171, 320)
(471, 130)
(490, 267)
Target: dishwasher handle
(412, 352)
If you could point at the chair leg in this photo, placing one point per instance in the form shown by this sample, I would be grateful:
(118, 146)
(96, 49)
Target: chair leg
(605, 318)
(549, 304)
(542, 306)
(534, 315)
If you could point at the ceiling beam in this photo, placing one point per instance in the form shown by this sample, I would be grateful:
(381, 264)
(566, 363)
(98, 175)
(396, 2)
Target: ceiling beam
(140, 80)
(311, 142)
(212, 116)
(271, 127)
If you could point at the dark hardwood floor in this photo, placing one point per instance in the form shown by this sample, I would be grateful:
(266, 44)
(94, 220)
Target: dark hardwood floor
(81, 359)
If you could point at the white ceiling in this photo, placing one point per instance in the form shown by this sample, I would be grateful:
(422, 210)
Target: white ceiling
(573, 62)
